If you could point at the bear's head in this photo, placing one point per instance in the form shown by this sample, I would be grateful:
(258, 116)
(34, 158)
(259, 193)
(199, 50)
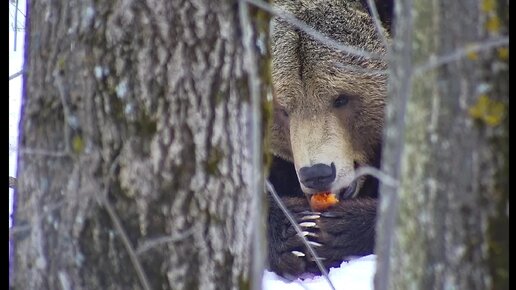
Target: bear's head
(329, 104)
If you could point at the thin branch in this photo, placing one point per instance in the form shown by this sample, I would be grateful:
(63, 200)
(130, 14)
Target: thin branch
(44, 152)
(291, 19)
(15, 25)
(299, 232)
(163, 240)
(358, 69)
(63, 279)
(12, 182)
(378, 174)
(125, 240)
(378, 23)
(47, 209)
(17, 9)
(119, 228)
(18, 229)
(15, 75)
(435, 62)
(63, 91)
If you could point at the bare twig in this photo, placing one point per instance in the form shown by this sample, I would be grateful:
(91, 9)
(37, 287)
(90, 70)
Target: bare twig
(44, 152)
(47, 210)
(19, 230)
(378, 174)
(378, 23)
(459, 53)
(64, 280)
(15, 25)
(291, 19)
(299, 232)
(163, 240)
(119, 228)
(15, 75)
(63, 92)
(125, 240)
(358, 69)
(12, 182)
(17, 9)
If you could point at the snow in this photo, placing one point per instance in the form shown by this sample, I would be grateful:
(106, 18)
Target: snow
(356, 274)
(15, 86)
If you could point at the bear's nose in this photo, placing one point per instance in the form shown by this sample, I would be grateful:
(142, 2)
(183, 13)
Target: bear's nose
(318, 176)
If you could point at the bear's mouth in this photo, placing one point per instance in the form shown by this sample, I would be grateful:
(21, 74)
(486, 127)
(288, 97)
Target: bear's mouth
(348, 192)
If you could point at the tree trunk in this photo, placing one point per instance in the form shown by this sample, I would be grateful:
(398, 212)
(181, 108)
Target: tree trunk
(450, 228)
(136, 167)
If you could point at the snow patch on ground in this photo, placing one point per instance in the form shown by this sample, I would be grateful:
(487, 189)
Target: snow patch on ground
(356, 274)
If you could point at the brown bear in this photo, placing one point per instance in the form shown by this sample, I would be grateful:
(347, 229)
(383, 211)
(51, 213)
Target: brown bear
(328, 122)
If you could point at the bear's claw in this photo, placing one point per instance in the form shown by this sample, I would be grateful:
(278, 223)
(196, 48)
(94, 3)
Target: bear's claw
(298, 253)
(309, 234)
(308, 225)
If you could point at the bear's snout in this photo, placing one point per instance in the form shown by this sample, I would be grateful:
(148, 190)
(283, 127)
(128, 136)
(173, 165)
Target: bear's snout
(319, 176)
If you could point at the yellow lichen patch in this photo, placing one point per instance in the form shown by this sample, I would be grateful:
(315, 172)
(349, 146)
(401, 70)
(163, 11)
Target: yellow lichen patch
(488, 110)
(61, 62)
(503, 53)
(487, 5)
(473, 55)
(77, 144)
(493, 24)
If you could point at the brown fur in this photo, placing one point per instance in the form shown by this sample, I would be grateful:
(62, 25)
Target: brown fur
(308, 76)
(309, 129)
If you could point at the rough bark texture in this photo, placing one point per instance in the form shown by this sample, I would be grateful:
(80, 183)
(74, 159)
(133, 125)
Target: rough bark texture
(135, 162)
(451, 230)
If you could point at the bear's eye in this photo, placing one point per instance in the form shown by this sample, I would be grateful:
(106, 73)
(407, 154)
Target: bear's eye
(341, 101)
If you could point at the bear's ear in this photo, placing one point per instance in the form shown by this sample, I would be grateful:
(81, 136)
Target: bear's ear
(385, 11)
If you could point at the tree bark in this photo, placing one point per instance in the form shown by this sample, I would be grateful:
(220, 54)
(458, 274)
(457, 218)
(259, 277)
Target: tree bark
(135, 164)
(450, 228)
